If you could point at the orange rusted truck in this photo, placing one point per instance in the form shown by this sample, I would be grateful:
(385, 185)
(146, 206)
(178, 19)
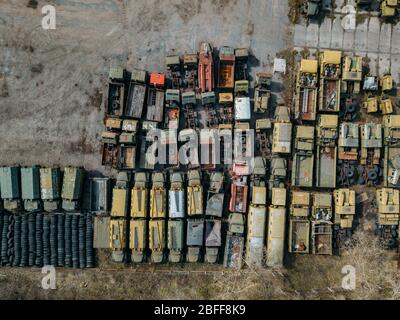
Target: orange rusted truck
(226, 68)
(206, 68)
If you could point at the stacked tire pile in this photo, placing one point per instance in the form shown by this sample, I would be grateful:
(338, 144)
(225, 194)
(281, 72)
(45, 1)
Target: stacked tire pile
(38, 239)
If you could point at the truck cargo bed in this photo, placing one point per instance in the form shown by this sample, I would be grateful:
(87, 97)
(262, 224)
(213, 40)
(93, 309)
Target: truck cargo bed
(326, 167)
(303, 166)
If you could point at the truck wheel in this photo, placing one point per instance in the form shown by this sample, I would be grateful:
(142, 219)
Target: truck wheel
(372, 175)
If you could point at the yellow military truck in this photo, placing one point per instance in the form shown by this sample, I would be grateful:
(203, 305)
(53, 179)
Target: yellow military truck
(388, 215)
(299, 222)
(391, 174)
(352, 75)
(345, 210)
(306, 97)
(303, 157)
(119, 215)
(321, 224)
(158, 215)
(276, 228)
(389, 8)
(370, 159)
(282, 138)
(139, 214)
(330, 81)
(327, 133)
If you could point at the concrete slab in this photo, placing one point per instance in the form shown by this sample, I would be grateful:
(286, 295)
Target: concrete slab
(325, 31)
(395, 68)
(395, 47)
(337, 34)
(348, 40)
(373, 63)
(373, 34)
(300, 34)
(361, 37)
(384, 64)
(312, 35)
(385, 38)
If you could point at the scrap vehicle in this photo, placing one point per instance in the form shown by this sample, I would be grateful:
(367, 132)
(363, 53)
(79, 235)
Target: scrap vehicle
(276, 228)
(389, 8)
(30, 188)
(327, 133)
(100, 190)
(352, 75)
(189, 103)
(190, 69)
(226, 68)
(321, 224)
(306, 90)
(299, 222)
(174, 71)
(312, 8)
(195, 223)
(113, 124)
(50, 188)
(72, 188)
(110, 149)
(242, 149)
(128, 145)
(348, 153)
(225, 109)
(208, 102)
(136, 98)
(138, 230)
(257, 215)
(119, 214)
(155, 98)
(172, 109)
(262, 93)
(242, 101)
(371, 104)
(234, 246)
(371, 144)
(158, 216)
(242, 64)
(176, 222)
(349, 108)
(239, 194)
(391, 172)
(303, 157)
(282, 138)
(388, 216)
(147, 159)
(278, 173)
(263, 137)
(10, 188)
(102, 232)
(386, 84)
(330, 83)
(206, 68)
(116, 93)
(345, 210)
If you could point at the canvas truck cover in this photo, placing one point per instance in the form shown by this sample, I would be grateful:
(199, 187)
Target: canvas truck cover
(233, 256)
(172, 95)
(332, 57)
(100, 195)
(176, 234)
(173, 60)
(138, 235)
(282, 138)
(117, 234)
(242, 108)
(139, 202)
(215, 205)
(120, 204)
(157, 235)
(309, 66)
(195, 232)
(276, 237)
(101, 235)
(30, 183)
(116, 73)
(50, 183)
(213, 233)
(279, 197)
(72, 183)
(256, 235)
(189, 98)
(9, 182)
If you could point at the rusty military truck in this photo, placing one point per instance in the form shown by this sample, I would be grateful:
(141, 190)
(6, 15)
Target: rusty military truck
(206, 68)
(349, 143)
(155, 98)
(72, 188)
(136, 97)
(327, 133)
(50, 188)
(321, 224)
(306, 97)
(116, 93)
(371, 153)
(391, 173)
(262, 92)
(345, 210)
(330, 81)
(299, 222)
(303, 157)
(226, 68)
